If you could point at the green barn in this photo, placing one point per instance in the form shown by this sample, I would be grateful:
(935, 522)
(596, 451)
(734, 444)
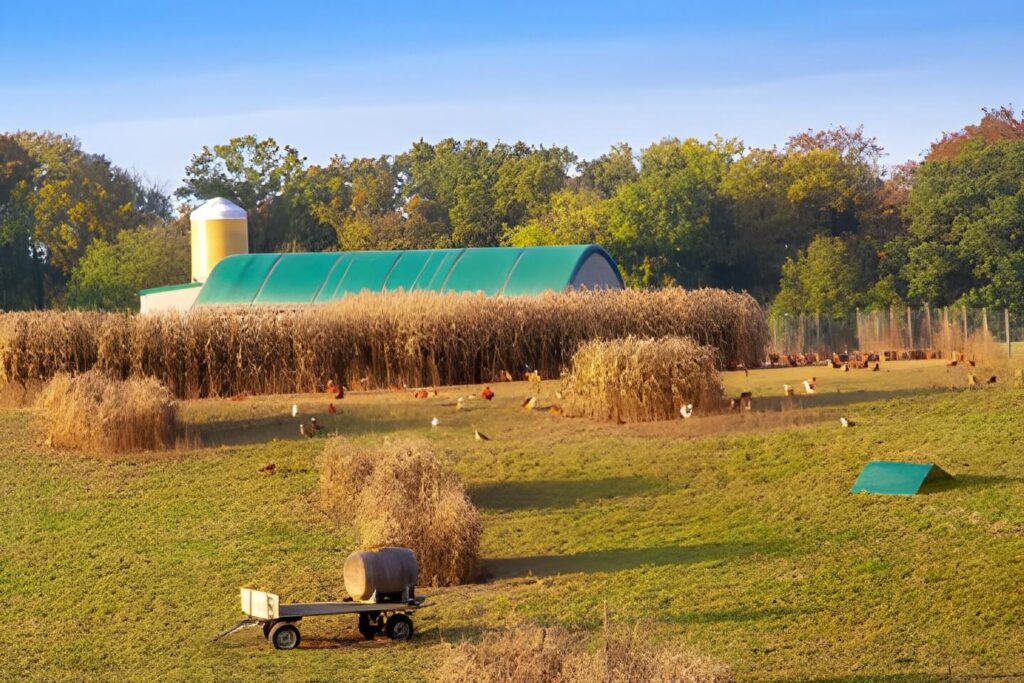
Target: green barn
(225, 274)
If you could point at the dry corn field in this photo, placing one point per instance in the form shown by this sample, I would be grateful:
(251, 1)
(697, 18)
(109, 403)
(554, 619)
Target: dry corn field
(639, 380)
(385, 340)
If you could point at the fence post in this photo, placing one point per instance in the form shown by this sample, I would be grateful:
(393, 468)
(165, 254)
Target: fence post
(1006, 326)
(817, 331)
(910, 331)
(856, 324)
(964, 311)
(928, 320)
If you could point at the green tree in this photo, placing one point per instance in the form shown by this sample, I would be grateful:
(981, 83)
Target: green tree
(821, 279)
(264, 179)
(664, 227)
(967, 219)
(575, 217)
(111, 274)
(57, 199)
(608, 172)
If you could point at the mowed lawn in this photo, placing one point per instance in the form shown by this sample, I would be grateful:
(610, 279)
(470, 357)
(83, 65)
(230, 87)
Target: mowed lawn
(733, 535)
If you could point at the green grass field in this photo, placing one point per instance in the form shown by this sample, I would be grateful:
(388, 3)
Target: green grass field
(734, 535)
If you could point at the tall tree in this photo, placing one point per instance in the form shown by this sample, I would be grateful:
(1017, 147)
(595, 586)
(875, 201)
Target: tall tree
(257, 175)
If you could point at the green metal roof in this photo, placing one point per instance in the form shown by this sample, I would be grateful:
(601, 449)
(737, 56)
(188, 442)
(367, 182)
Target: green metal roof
(321, 277)
(169, 288)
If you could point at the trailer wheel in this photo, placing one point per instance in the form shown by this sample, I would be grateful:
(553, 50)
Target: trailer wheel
(267, 626)
(369, 624)
(399, 627)
(285, 636)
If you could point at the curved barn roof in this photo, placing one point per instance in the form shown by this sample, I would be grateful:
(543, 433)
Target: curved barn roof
(321, 277)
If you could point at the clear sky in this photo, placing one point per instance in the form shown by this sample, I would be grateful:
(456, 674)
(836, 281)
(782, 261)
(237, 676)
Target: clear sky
(148, 83)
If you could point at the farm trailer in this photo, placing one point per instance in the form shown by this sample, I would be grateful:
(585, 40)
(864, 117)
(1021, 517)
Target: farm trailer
(279, 621)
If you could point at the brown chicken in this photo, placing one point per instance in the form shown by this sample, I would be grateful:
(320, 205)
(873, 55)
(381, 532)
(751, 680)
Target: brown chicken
(487, 393)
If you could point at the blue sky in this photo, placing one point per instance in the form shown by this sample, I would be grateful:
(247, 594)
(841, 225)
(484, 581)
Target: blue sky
(149, 83)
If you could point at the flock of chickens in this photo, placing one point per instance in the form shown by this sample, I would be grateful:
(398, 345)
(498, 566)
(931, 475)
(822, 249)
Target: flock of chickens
(530, 403)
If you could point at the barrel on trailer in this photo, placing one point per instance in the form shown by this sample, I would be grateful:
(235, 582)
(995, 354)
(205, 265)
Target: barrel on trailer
(384, 575)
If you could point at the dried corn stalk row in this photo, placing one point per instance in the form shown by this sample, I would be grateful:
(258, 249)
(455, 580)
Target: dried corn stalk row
(386, 340)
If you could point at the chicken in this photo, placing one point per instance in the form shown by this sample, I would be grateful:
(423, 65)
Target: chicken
(460, 403)
(332, 388)
(238, 397)
(530, 403)
(972, 363)
(686, 411)
(314, 425)
(295, 409)
(846, 367)
(787, 389)
(810, 386)
(269, 468)
(876, 368)
(435, 422)
(331, 409)
(992, 380)
(422, 393)
(951, 364)
(506, 376)
(533, 377)
(847, 423)
(747, 400)
(555, 410)
(303, 431)
(487, 393)
(972, 381)
(340, 393)
(480, 437)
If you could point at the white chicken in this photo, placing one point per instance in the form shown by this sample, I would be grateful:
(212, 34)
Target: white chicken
(686, 411)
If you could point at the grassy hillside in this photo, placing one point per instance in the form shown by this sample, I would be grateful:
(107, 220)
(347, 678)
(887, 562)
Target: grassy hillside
(735, 535)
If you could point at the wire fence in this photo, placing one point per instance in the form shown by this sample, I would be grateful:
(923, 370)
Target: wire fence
(900, 333)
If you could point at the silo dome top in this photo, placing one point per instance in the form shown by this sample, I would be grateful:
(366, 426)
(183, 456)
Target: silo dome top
(218, 208)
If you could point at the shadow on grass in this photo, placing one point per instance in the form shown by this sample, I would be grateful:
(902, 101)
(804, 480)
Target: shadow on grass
(879, 678)
(827, 399)
(613, 560)
(524, 495)
(733, 616)
(265, 429)
(968, 481)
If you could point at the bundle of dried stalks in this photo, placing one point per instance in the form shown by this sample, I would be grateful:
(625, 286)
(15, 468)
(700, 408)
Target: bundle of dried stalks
(639, 380)
(530, 654)
(94, 412)
(402, 494)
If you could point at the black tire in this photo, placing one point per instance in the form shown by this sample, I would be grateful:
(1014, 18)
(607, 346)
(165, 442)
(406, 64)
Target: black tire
(267, 625)
(399, 627)
(369, 625)
(285, 636)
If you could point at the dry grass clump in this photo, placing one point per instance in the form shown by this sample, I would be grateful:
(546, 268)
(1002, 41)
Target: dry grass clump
(402, 494)
(93, 412)
(388, 340)
(639, 380)
(530, 654)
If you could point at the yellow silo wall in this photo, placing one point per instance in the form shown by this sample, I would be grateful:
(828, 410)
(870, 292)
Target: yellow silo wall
(213, 239)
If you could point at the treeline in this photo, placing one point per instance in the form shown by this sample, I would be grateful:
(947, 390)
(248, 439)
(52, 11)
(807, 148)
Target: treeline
(819, 224)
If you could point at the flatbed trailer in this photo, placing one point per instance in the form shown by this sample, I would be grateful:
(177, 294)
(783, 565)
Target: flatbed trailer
(279, 621)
